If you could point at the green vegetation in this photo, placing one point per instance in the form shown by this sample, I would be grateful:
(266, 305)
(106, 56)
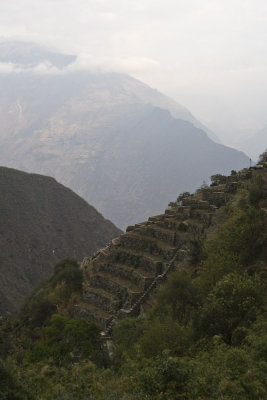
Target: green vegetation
(218, 179)
(65, 340)
(205, 337)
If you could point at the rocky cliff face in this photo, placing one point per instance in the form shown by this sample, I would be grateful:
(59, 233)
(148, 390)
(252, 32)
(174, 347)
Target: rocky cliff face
(42, 222)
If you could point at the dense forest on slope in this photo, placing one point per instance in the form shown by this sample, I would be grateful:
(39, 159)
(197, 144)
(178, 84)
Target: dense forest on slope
(203, 335)
(41, 222)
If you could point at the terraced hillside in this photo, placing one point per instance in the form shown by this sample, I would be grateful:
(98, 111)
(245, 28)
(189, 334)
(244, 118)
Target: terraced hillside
(119, 277)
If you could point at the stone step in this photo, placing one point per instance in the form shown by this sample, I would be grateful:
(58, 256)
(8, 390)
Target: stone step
(167, 223)
(139, 225)
(121, 288)
(100, 298)
(174, 225)
(157, 232)
(134, 240)
(171, 211)
(156, 218)
(139, 277)
(139, 259)
(92, 313)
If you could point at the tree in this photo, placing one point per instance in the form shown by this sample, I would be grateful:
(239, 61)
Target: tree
(234, 301)
(179, 296)
(10, 387)
(263, 157)
(67, 271)
(183, 196)
(66, 339)
(218, 179)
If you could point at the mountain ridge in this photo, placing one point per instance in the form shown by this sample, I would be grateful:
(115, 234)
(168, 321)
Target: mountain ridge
(41, 222)
(69, 126)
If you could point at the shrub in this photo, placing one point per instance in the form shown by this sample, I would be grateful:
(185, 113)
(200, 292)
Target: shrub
(67, 271)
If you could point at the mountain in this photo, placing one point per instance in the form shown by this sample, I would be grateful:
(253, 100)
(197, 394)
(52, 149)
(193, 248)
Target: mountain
(175, 308)
(256, 144)
(109, 137)
(42, 222)
(27, 55)
(119, 278)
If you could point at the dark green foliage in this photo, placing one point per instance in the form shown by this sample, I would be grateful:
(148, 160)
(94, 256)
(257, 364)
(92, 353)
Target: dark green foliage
(164, 334)
(178, 297)
(258, 191)
(67, 271)
(245, 235)
(37, 310)
(182, 196)
(125, 332)
(65, 340)
(10, 387)
(234, 302)
(239, 244)
(226, 373)
(49, 295)
(179, 199)
(263, 157)
(218, 179)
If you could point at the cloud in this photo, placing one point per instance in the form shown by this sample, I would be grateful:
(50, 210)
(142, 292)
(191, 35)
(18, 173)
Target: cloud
(6, 68)
(43, 68)
(128, 65)
(191, 49)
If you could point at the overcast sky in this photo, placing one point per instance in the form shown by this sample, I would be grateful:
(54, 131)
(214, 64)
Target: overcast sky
(209, 55)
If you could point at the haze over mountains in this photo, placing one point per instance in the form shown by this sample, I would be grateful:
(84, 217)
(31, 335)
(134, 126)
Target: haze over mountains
(256, 144)
(28, 55)
(124, 147)
(42, 222)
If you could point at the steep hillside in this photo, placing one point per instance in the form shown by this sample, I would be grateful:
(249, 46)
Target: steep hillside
(149, 161)
(181, 300)
(95, 133)
(76, 126)
(255, 144)
(41, 223)
(120, 277)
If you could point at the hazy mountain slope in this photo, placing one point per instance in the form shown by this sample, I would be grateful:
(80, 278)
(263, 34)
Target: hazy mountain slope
(26, 55)
(151, 162)
(42, 222)
(79, 136)
(70, 126)
(255, 145)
